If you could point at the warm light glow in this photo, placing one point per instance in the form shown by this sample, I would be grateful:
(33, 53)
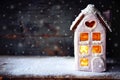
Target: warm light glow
(96, 36)
(83, 36)
(84, 62)
(84, 49)
(96, 49)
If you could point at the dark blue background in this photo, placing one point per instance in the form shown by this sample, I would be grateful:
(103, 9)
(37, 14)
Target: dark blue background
(41, 27)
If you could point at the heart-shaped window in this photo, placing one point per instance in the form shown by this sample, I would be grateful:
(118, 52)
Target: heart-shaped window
(90, 24)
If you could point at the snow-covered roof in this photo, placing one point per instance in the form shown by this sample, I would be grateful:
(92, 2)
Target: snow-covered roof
(90, 9)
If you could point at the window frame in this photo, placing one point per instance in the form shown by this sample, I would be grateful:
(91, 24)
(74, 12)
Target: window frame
(96, 40)
(84, 66)
(81, 36)
(97, 53)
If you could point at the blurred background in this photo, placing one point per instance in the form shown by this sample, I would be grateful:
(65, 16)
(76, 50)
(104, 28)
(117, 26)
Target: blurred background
(41, 27)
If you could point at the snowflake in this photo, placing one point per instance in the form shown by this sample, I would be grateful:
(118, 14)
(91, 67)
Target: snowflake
(41, 21)
(68, 48)
(29, 5)
(11, 44)
(58, 16)
(43, 52)
(41, 11)
(4, 27)
(58, 7)
(6, 45)
(22, 17)
(60, 41)
(30, 28)
(109, 39)
(49, 3)
(70, 8)
(61, 21)
(36, 16)
(4, 15)
(54, 22)
(66, 34)
(116, 44)
(80, 1)
(117, 11)
(57, 27)
(32, 45)
(23, 52)
(20, 45)
(19, 12)
(15, 30)
(40, 37)
(12, 6)
(70, 37)
(47, 44)
(63, 1)
(55, 47)
(102, 6)
(48, 30)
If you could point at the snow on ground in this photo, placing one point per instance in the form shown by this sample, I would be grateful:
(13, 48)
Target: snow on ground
(47, 66)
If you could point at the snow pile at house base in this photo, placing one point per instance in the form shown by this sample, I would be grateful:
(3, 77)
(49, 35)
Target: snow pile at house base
(48, 66)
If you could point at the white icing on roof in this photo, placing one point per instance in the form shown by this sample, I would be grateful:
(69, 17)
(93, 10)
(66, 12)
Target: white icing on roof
(90, 9)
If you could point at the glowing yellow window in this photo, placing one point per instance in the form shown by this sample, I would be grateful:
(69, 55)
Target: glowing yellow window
(96, 36)
(84, 49)
(83, 36)
(96, 49)
(84, 62)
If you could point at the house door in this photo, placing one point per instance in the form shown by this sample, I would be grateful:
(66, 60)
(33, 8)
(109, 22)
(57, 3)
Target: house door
(97, 64)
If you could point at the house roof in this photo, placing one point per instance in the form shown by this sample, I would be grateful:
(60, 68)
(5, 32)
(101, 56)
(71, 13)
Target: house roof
(88, 10)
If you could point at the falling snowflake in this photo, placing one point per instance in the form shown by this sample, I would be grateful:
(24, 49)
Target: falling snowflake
(57, 27)
(29, 5)
(49, 3)
(66, 34)
(58, 16)
(70, 8)
(12, 6)
(6, 45)
(116, 44)
(4, 27)
(20, 45)
(48, 30)
(19, 12)
(23, 52)
(117, 10)
(11, 44)
(58, 7)
(43, 52)
(68, 48)
(60, 41)
(40, 38)
(3, 15)
(32, 45)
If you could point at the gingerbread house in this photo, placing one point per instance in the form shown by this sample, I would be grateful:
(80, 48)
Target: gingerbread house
(90, 40)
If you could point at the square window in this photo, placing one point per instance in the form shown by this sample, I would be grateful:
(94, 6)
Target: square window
(96, 36)
(84, 62)
(96, 49)
(84, 49)
(83, 36)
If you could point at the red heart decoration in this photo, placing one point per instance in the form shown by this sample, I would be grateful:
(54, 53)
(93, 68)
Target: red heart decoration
(90, 23)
